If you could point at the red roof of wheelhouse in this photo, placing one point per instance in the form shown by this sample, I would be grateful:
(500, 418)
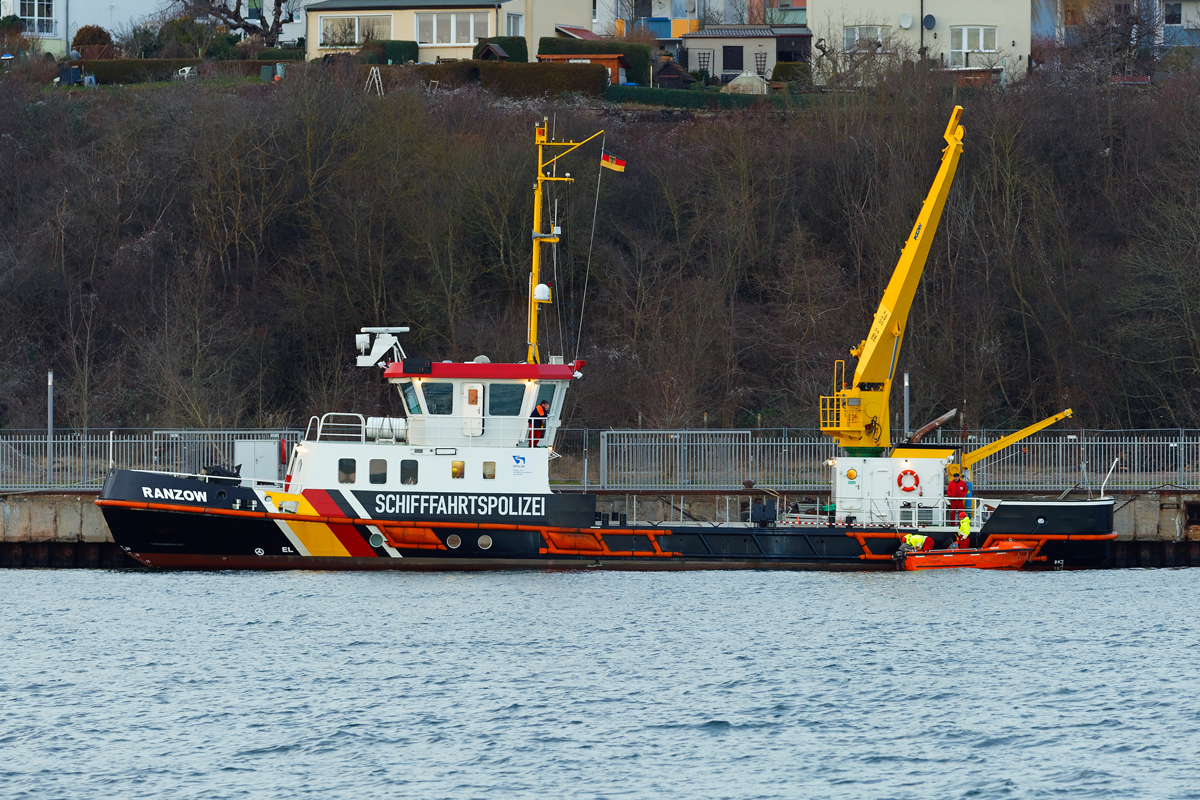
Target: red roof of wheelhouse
(471, 369)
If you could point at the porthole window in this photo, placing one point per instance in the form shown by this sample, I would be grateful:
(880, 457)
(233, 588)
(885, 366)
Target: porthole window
(485, 542)
(489, 470)
(378, 473)
(458, 469)
(408, 472)
(346, 470)
(453, 541)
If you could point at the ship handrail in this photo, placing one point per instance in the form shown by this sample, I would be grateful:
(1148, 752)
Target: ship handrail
(338, 426)
(900, 512)
(435, 430)
(245, 481)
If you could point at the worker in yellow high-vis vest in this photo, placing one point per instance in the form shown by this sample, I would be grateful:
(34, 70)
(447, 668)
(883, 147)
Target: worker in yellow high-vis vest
(916, 542)
(964, 529)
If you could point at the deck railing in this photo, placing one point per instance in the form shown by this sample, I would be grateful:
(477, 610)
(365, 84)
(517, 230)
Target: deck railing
(644, 460)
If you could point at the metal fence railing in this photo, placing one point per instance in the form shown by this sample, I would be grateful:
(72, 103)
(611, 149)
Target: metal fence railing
(80, 461)
(653, 460)
(796, 459)
(725, 459)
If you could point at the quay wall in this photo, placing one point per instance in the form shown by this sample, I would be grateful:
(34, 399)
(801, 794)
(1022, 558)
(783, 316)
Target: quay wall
(1158, 528)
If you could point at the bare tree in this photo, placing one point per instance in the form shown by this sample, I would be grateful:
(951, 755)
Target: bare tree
(236, 17)
(1106, 39)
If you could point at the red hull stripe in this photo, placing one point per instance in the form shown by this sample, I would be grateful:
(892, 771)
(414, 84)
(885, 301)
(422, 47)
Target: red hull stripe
(544, 372)
(348, 535)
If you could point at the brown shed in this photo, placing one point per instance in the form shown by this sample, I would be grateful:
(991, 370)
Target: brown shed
(615, 62)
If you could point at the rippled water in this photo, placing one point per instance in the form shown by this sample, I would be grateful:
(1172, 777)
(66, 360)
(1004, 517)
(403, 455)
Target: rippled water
(706, 685)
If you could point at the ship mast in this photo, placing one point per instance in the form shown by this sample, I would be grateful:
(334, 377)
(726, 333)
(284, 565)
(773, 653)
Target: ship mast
(547, 171)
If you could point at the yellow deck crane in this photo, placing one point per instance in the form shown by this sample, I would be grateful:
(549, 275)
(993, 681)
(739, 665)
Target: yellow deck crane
(856, 415)
(975, 456)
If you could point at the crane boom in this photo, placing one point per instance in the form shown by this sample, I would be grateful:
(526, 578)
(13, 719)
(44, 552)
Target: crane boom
(857, 415)
(977, 455)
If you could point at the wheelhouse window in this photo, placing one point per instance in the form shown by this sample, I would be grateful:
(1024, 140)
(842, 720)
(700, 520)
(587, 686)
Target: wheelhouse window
(546, 393)
(346, 470)
(439, 397)
(458, 469)
(451, 28)
(489, 470)
(408, 472)
(504, 399)
(378, 473)
(970, 39)
(866, 38)
(410, 398)
(351, 31)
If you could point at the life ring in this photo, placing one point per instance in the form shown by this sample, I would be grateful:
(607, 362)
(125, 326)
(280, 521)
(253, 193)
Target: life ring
(916, 481)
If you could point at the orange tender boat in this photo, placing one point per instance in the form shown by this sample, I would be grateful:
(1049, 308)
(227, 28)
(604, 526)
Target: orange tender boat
(1005, 554)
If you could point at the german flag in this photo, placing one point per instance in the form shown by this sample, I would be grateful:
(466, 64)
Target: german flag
(612, 162)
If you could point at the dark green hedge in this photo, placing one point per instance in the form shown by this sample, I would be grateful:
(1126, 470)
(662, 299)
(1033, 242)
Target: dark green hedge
(515, 80)
(516, 47)
(144, 70)
(280, 54)
(638, 55)
(135, 70)
(683, 98)
(398, 51)
(792, 71)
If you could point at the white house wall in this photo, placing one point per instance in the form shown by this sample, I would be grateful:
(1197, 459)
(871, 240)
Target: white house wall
(71, 15)
(1012, 20)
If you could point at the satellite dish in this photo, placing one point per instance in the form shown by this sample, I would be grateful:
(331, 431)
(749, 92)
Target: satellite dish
(906, 20)
(691, 6)
(929, 22)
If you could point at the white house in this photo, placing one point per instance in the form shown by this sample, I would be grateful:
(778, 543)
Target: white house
(441, 28)
(971, 35)
(53, 23)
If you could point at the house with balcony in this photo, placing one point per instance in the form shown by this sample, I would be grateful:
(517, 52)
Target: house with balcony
(978, 39)
(1175, 24)
(447, 29)
(669, 20)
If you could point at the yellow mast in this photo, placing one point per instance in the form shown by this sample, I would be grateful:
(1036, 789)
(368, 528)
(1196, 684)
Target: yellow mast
(857, 414)
(539, 293)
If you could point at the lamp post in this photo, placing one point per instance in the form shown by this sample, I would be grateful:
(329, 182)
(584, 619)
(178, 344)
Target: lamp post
(50, 426)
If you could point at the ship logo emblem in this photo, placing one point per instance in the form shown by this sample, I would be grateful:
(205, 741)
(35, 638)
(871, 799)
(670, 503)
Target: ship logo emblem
(519, 460)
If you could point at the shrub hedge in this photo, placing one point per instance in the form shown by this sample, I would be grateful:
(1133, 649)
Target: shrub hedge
(145, 70)
(515, 46)
(135, 70)
(398, 51)
(638, 55)
(683, 98)
(515, 80)
(280, 54)
(792, 71)
(91, 35)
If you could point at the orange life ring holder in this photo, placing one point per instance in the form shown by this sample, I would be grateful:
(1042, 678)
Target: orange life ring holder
(915, 483)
